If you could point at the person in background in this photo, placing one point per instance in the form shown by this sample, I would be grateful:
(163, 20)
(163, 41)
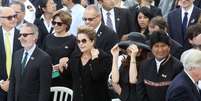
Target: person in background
(19, 9)
(105, 37)
(44, 23)
(159, 24)
(60, 45)
(156, 73)
(76, 10)
(30, 11)
(31, 69)
(184, 87)
(124, 78)
(180, 19)
(144, 16)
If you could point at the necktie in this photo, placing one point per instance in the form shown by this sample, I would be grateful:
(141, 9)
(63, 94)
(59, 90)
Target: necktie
(109, 21)
(8, 53)
(184, 22)
(24, 61)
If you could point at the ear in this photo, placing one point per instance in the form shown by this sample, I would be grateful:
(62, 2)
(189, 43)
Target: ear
(190, 41)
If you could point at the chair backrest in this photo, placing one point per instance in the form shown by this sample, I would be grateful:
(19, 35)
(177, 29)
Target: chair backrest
(61, 93)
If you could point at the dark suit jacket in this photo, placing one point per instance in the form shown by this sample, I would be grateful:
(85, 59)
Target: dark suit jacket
(105, 38)
(90, 81)
(42, 31)
(175, 25)
(34, 83)
(182, 89)
(16, 46)
(124, 21)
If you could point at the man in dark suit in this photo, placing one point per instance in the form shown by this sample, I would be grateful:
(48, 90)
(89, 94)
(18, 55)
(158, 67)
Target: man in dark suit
(119, 20)
(19, 8)
(8, 45)
(105, 37)
(31, 70)
(179, 19)
(184, 86)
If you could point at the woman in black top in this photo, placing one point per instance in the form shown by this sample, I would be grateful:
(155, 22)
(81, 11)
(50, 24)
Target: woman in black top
(124, 78)
(90, 68)
(59, 46)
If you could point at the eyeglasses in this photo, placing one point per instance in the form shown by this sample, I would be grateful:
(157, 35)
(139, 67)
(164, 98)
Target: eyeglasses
(83, 41)
(88, 19)
(9, 17)
(58, 23)
(26, 34)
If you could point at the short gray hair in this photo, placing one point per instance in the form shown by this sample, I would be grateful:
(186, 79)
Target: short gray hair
(32, 26)
(94, 7)
(191, 59)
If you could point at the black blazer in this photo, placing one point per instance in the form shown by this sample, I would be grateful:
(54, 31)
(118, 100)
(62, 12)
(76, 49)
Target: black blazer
(34, 83)
(105, 38)
(175, 25)
(90, 82)
(182, 89)
(42, 31)
(124, 21)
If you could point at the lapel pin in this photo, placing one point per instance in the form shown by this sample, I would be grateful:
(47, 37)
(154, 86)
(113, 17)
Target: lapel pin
(163, 75)
(32, 58)
(118, 19)
(193, 20)
(99, 34)
(66, 47)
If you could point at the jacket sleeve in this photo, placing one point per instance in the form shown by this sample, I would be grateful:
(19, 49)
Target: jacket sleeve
(45, 78)
(140, 87)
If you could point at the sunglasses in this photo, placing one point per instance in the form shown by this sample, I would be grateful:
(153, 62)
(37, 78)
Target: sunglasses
(58, 23)
(9, 17)
(26, 34)
(82, 41)
(88, 19)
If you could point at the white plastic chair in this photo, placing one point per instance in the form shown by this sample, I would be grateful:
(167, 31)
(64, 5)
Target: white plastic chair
(63, 92)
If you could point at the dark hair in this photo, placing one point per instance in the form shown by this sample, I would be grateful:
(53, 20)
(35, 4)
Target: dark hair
(193, 31)
(159, 36)
(65, 18)
(146, 12)
(18, 3)
(88, 31)
(160, 22)
(42, 5)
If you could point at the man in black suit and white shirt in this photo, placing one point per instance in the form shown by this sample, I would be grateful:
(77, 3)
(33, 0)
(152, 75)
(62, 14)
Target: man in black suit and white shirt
(118, 19)
(105, 37)
(31, 70)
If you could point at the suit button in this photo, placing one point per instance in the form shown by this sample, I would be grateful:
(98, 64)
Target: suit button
(81, 95)
(81, 87)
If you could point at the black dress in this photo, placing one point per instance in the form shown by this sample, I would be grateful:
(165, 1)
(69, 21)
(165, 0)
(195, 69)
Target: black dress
(128, 91)
(58, 47)
(90, 80)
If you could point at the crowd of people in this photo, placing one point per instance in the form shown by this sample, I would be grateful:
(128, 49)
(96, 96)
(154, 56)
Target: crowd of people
(104, 50)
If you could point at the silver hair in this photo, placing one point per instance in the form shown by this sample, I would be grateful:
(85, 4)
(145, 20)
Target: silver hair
(94, 7)
(33, 27)
(191, 59)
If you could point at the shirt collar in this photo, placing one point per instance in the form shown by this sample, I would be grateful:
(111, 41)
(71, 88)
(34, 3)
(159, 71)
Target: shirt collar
(96, 29)
(11, 31)
(189, 11)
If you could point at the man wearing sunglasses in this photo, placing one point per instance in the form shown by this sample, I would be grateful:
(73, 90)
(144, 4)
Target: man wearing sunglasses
(9, 44)
(105, 37)
(31, 71)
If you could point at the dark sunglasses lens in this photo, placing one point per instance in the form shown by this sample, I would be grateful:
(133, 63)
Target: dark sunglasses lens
(58, 23)
(11, 17)
(83, 41)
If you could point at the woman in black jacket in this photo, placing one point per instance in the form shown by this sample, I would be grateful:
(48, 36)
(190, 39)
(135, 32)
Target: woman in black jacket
(90, 68)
